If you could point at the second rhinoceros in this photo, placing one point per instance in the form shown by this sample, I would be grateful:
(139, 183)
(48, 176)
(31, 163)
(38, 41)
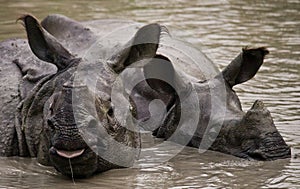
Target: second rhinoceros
(81, 110)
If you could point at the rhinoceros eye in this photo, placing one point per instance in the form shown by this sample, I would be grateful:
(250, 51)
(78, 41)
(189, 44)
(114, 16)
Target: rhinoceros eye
(50, 124)
(110, 112)
(132, 110)
(51, 109)
(52, 104)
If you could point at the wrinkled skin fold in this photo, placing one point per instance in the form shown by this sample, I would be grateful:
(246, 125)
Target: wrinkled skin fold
(222, 125)
(59, 105)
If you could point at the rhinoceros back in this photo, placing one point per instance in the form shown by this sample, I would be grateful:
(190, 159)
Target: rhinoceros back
(94, 40)
(10, 77)
(186, 58)
(105, 37)
(13, 88)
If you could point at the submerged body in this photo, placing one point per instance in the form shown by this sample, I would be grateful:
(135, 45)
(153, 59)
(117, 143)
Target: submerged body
(67, 109)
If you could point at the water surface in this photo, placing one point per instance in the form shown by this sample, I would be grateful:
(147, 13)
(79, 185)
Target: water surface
(220, 28)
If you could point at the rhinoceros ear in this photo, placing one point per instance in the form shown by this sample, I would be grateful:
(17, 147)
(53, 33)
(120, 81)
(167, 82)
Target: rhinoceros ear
(143, 45)
(160, 74)
(44, 45)
(244, 66)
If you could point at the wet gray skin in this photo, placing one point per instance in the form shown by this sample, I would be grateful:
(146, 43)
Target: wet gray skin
(65, 122)
(222, 125)
(60, 120)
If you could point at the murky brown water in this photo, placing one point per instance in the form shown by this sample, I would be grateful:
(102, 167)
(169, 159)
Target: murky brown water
(220, 28)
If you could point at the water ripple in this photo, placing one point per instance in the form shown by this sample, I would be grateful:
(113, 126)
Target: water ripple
(220, 28)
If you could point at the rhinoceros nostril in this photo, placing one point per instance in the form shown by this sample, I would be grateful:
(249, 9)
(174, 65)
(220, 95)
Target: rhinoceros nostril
(257, 155)
(52, 151)
(110, 112)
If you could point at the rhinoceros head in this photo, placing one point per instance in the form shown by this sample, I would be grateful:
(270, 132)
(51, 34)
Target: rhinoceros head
(253, 134)
(80, 134)
(221, 124)
(85, 134)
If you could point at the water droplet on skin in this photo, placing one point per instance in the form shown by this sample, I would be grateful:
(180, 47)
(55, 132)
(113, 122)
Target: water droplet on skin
(71, 171)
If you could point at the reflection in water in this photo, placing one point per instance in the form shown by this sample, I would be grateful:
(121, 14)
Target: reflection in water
(220, 28)
(188, 169)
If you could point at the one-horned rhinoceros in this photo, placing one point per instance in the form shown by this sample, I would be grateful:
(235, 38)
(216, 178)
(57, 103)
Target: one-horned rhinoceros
(77, 94)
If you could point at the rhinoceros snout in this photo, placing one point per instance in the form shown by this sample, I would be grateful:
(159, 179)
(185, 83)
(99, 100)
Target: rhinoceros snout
(78, 164)
(273, 154)
(271, 147)
(261, 139)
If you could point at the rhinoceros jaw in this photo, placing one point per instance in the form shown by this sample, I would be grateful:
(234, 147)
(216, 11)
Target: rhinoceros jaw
(70, 154)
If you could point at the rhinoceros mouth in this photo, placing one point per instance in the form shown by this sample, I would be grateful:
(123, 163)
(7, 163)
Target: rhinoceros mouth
(78, 163)
(69, 154)
(271, 147)
(270, 155)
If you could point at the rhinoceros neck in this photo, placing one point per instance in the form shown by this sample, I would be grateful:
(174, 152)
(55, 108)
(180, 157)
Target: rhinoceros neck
(31, 111)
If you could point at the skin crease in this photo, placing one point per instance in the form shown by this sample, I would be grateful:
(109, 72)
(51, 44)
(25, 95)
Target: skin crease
(46, 125)
(50, 102)
(250, 135)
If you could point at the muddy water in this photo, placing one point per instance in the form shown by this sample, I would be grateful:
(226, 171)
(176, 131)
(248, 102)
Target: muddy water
(220, 28)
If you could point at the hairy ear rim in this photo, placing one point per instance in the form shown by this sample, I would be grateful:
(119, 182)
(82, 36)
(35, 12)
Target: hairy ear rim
(44, 45)
(244, 66)
(264, 51)
(32, 25)
(143, 45)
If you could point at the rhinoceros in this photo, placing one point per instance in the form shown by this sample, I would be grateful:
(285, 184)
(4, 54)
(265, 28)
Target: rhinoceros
(77, 95)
